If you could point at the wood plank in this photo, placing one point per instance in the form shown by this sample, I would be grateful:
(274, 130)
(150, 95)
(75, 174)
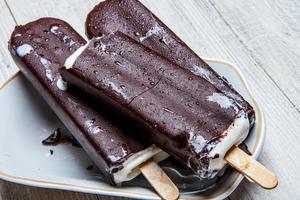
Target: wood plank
(202, 27)
(269, 31)
(12, 191)
(259, 36)
(7, 23)
(266, 39)
(73, 12)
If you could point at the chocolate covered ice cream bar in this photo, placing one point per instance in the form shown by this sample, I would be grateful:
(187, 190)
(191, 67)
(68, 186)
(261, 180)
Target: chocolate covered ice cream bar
(133, 19)
(41, 48)
(185, 115)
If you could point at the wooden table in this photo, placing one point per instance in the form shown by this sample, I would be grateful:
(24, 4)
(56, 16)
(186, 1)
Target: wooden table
(262, 37)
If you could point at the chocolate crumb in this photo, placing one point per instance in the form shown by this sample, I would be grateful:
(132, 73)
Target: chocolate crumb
(90, 167)
(53, 139)
(74, 142)
(56, 138)
(244, 147)
(216, 156)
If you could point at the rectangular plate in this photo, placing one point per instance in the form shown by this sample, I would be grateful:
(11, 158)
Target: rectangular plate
(25, 120)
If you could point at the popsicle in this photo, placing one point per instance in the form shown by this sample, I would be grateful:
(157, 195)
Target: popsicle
(42, 48)
(185, 115)
(133, 19)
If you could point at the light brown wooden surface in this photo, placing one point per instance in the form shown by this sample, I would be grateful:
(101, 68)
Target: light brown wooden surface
(10, 191)
(262, 37)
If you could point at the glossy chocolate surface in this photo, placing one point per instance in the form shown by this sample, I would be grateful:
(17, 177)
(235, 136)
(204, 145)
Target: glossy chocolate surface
(132, 18)
(186, 114)
(43, 47)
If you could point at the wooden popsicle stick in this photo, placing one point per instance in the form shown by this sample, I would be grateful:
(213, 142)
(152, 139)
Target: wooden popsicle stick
(252, 169)
(159, 180)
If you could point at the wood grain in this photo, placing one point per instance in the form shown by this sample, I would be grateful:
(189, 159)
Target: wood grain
(7, 23)
(271, 38)
(210, 35)
(11, 191)
(262, 37)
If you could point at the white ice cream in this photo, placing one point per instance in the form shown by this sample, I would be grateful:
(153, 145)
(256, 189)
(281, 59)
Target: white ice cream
(24, 50)
(131, 169)
(61, 84)
(72, 58)
(234, 135)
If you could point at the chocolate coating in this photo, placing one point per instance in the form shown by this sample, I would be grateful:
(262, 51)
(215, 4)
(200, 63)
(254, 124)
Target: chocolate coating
(132, 18)
(172, 102)
(43, 47)
(53, 139)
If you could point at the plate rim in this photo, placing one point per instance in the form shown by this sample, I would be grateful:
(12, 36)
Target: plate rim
(121, 193)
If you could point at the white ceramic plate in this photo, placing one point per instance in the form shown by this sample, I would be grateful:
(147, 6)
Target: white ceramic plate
(25, 120)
